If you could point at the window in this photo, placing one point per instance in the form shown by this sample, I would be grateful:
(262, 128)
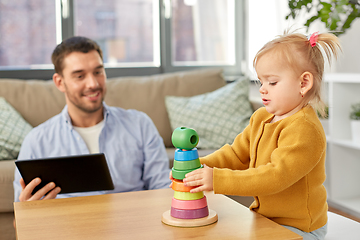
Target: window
(137, 37)
(125, 30)
(203, 32)
(27, 32)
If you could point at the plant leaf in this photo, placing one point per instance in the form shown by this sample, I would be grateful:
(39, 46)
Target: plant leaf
(310, 20)
(352, 16)
(337, 15)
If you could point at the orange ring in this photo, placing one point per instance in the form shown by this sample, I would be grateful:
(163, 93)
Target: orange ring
(178, 185)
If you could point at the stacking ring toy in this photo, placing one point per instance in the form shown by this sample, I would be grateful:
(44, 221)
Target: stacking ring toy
(178, 185)
(188, 209)
(192, 204)
(181, 155)
(188, 196)
(189, 214)
(183, 165)
(180, 174)
(185, 138)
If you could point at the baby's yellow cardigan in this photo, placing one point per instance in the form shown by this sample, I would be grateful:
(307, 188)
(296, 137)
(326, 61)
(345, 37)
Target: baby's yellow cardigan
(281, 164)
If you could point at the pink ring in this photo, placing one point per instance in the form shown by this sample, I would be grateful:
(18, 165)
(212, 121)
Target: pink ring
(189, 204)
(189, 214)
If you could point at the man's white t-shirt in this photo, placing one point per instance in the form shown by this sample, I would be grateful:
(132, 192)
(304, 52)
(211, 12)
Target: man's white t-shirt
(91, 136)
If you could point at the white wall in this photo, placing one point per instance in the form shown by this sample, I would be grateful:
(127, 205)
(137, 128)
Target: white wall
(266, 20)
(350, 42)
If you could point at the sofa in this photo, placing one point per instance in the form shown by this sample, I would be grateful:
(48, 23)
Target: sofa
(38, 100)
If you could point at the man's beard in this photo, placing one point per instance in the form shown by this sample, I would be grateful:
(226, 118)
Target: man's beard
(83, 107)
(88, 109)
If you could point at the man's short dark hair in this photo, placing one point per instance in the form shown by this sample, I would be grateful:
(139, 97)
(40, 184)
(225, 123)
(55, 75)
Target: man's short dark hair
(73, 44)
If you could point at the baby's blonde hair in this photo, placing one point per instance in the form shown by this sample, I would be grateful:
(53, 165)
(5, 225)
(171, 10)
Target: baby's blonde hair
(296, 49)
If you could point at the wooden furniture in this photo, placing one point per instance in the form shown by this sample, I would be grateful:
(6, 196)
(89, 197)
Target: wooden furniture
(342, 157)
(137, 215)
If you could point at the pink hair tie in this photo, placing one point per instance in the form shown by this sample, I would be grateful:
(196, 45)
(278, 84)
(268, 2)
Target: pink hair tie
(313, 39)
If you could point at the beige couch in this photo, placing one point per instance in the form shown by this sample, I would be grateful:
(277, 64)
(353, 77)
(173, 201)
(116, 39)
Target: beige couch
(38, 100)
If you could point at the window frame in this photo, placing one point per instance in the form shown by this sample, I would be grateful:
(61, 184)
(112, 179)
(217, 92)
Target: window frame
(46, 71)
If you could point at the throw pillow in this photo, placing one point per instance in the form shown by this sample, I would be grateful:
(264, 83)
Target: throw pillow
(13, 129)
(218, 116)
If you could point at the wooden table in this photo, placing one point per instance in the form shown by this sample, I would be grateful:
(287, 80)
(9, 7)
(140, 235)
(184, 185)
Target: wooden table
(137, 215)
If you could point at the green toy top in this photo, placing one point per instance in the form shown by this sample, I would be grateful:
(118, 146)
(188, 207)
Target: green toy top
(185, 138)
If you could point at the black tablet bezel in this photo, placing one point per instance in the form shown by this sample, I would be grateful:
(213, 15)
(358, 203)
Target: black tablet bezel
(76, 173)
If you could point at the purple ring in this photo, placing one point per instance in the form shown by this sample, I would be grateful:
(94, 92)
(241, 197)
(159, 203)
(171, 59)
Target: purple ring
(189, 214)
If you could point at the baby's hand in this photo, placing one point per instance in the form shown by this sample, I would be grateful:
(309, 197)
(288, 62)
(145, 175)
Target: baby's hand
(202, 178)
(171, 178)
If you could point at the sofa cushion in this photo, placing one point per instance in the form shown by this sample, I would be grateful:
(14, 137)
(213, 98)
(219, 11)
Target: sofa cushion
(148, 93)
(35, 100)
(13, 129)
(218, 116)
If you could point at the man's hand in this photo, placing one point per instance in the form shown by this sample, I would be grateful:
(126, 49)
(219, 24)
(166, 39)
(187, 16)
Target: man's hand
(202, 177)
(50, 189)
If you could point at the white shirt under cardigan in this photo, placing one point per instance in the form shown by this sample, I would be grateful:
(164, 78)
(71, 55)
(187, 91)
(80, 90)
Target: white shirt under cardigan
(130, 141)
(91, 135)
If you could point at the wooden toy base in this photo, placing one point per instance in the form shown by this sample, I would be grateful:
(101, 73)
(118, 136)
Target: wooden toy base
(176, 222)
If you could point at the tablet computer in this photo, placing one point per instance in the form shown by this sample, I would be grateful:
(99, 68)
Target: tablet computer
(77, 173)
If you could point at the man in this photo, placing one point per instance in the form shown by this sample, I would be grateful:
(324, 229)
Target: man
(132, 145)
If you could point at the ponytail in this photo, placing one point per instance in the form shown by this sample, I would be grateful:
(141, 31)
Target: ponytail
(327, 46)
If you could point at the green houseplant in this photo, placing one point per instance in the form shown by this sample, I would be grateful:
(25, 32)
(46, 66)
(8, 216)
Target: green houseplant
(355, 111)
(355, 122)
(324, 119)
(325, 115)
(337, 15)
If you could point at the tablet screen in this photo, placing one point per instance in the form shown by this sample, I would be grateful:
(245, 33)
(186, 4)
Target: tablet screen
(79, 173)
